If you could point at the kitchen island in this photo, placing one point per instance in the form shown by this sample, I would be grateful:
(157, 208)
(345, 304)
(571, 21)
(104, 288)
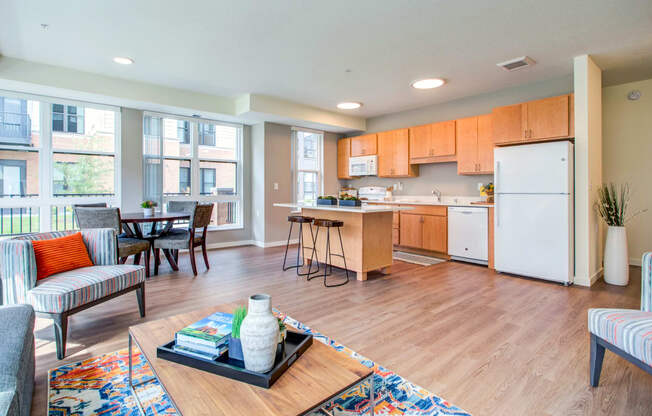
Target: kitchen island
(366, 235)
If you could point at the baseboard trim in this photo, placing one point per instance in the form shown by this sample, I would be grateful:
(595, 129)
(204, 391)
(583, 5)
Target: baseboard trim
(635, 261)
(267, 244)
(597, 275)
(226, 244)
(590, 281)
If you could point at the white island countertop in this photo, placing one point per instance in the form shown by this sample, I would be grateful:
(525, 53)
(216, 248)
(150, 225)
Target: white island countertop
(362, 209)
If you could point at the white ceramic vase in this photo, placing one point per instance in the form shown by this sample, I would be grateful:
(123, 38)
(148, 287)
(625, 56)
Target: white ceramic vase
(148, 212)
(616, 266)
(259, 334)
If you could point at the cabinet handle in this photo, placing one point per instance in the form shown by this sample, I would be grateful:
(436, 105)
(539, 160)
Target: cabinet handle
(530, 133)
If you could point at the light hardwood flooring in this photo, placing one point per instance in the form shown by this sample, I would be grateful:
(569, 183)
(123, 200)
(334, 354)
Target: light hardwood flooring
(489, 343)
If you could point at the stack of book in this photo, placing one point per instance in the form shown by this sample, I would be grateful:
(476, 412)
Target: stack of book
(206, 339)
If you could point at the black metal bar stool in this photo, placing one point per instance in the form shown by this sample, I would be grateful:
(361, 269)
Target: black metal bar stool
(328, 255)
(300, 219)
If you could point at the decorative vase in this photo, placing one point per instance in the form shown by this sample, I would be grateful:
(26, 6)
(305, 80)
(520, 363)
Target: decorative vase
(259, 334)
(148, 212)
(235, 349)
(616, 266)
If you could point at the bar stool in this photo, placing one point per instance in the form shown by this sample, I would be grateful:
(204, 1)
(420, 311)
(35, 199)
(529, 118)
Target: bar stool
(300, 219)
(328, 255)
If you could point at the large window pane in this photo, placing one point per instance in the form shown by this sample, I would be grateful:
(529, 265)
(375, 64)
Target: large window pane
(151, 136)
(217, 142)
(19, 220)
(218, 178)
(307, 187)
(225, 213)
(19, 122)
(18, 174)
(176, 177)
(176, 138)
(79, 128)
(82, 175)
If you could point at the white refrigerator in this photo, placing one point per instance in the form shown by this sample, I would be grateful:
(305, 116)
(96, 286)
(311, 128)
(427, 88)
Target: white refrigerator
(533, 214)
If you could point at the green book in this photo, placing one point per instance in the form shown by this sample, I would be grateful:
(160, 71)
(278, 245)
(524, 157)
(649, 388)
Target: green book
(211, 331)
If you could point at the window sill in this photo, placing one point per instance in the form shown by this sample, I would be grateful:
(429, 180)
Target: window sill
(226, 227)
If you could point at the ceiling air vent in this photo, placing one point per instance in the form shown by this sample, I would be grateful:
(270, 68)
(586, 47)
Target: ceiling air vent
(517, 63)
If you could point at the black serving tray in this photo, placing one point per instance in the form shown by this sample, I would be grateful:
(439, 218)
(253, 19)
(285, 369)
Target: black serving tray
(296, 343)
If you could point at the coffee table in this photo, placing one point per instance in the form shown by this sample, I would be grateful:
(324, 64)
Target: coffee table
(317, 377)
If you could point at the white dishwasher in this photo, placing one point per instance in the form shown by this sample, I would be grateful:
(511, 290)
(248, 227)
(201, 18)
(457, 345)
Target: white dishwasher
(468, 234)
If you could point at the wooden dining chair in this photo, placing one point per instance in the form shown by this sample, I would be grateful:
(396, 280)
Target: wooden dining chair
(178, 239)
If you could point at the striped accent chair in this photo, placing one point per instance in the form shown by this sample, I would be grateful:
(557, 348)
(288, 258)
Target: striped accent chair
(626, 332)
(63, 294)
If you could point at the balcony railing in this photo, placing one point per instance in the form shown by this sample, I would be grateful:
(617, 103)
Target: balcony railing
(15, 128)
(14, 221)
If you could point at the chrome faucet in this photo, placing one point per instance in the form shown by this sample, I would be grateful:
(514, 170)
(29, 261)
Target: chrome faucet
(437, 194)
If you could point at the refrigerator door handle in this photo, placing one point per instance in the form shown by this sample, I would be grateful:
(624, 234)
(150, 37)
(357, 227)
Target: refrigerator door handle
(496, 176)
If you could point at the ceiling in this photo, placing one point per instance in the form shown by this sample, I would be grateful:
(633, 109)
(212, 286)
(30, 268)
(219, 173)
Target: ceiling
(319, 53)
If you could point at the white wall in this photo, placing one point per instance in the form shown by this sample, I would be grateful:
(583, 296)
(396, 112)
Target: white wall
(588, 169)
(444, 175)
(626, 156)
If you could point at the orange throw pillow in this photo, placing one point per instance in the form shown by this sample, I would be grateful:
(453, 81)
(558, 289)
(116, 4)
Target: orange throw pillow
(60, 255)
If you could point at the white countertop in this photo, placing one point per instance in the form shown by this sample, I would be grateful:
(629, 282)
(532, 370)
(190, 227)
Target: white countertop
(452, 201)
(362, 209)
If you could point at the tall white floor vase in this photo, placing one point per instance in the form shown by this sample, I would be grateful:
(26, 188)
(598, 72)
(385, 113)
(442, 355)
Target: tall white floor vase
(259, 334)
(616, 266)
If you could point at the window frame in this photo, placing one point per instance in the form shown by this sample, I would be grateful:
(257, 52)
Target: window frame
(295, 163)
(195, 162)
(45, 202)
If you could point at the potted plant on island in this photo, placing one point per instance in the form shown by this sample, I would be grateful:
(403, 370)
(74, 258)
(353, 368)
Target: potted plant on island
(612, 206)
(350, 201)
(326, 200)
(148, 208)
(235, 345)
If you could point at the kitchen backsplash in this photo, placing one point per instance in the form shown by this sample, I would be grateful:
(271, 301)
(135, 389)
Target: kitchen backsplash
(442, 176)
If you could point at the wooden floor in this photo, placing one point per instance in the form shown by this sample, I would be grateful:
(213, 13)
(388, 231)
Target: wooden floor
(491, 344)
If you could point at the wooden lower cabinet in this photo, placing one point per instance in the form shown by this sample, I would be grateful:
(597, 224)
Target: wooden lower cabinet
(424, 231)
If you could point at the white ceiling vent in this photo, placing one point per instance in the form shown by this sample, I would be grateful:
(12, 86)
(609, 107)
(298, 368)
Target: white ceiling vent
(517, 63)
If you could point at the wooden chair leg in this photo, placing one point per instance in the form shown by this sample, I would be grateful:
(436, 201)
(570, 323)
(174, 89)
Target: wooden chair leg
(176, 255)
(137, 258)
(140, 294)
(157, 252)
(60, 333)
(595, 363)
(146, 262)
(191, 253)
(123, 260)
(203, 250)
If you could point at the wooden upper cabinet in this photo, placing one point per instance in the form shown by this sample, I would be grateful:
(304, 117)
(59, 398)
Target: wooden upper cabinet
(467, 145)
(475, 146)
(509, 123)
(432, 143)
(364, 145)
(548, 118)
(393, 154)
(485, 144)
(343, 154)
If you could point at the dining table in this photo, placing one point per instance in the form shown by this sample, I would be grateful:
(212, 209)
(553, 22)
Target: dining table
(132, 225)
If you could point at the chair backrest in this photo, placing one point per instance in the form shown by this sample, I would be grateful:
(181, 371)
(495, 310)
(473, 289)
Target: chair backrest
(98, 218)
(202, 216)
(181, 206)
(93, 205)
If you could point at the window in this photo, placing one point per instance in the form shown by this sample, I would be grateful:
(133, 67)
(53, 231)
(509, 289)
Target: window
(307, 165)
(67, 118)
(43, 172)
(207, 168)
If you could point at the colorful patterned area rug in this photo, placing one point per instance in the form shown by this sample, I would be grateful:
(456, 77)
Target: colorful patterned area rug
(98, 386)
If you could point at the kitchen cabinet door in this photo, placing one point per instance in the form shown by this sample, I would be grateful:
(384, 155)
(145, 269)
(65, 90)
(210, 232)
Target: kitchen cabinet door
(435, 233)
(548, 118)
(343, 154)
(420, 141)
(364, 145)
(485, 144)
(509, 123)
(411, 231)
(443, 138)
(432, 141)
(393, 154)
(467, 145)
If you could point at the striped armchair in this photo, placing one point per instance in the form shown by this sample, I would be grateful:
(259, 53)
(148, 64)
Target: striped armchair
(626, 332)
(64, 294)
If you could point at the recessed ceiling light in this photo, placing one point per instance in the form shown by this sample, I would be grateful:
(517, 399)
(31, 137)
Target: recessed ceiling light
(428, 83)
(349, 105)
(122, 60)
